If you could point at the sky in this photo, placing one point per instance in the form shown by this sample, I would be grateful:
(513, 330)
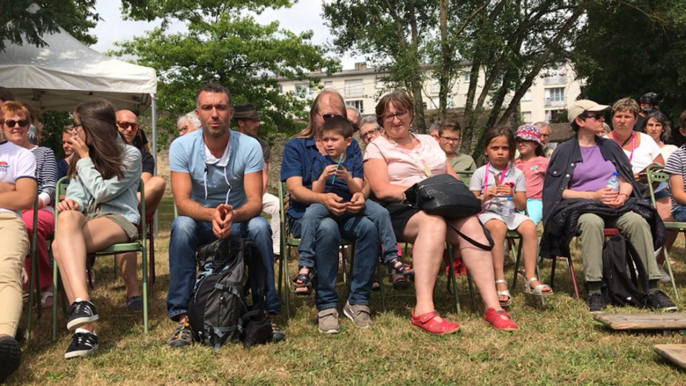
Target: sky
(304, 15)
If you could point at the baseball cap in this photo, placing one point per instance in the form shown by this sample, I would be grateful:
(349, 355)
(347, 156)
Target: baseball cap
(581, 106)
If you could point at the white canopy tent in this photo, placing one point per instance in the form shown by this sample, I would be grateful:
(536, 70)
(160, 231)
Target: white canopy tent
(66, 72)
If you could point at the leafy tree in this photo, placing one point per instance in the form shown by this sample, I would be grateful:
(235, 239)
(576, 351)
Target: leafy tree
(224, 44)
(21, 24)
(630, 48)
(393, 37)
(506, 44)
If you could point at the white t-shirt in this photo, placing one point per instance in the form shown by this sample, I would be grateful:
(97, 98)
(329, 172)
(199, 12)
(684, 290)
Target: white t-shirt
(15, 163)
(644, 154)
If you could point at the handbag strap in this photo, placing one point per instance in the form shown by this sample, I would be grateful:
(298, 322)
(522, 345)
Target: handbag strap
(477, 244)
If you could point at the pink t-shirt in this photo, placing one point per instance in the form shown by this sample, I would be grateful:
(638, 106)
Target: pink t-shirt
(407, 167)
(534, 174)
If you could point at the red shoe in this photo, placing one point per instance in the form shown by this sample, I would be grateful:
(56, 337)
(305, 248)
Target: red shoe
(429, 323)
(500, 320)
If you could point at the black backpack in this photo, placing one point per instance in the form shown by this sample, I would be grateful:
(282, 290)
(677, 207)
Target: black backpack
(218, 310)
(621, 263)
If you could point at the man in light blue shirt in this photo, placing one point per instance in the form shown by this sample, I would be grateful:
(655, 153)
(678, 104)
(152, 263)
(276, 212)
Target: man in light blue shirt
(216, 178)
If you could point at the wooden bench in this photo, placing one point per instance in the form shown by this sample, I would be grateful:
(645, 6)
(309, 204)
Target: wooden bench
(675, 353)
(672, 321)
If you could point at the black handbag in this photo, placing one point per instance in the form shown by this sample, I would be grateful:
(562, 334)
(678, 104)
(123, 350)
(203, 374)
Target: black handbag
(446, 196)
(443, 195)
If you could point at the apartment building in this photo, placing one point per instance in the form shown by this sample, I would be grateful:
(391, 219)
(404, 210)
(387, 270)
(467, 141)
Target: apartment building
(361, 87)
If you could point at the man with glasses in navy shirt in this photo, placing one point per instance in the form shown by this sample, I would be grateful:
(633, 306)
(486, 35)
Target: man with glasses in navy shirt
(296, 170)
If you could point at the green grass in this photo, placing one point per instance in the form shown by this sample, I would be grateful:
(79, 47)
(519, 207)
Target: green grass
(558, 344)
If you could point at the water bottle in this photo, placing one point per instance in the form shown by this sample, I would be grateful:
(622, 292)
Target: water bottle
(613, 182)
(508, 209)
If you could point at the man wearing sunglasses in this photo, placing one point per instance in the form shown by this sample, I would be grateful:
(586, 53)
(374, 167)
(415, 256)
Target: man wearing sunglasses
(296, 170)
(354, 116)
(127, 124)
(216, 178)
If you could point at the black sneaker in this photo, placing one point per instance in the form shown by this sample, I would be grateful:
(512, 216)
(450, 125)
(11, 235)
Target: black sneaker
(10, 357)
(182, 336)
(82, 344)
(277, 334)
(596, 303)
(658, 300)
(81, 312)
(135, 303)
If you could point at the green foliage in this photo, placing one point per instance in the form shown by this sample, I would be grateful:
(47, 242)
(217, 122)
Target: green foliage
(51, 134)
(647, 55)
(224, 44)
(19, 25)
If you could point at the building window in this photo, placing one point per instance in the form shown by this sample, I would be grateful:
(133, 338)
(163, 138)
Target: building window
(466, 77)
(280, 89)
(526, 116)
(303, 90)
(328, 84)
(354, 88)
(356, 104)
(555, 96)
(435, 87)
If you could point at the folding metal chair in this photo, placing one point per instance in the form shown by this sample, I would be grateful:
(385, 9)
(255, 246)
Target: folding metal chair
(135, 246)
(656, 174)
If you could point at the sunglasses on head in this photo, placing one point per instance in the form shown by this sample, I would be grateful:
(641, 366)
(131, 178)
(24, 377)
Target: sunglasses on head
(12, 123)
(125, 125)
(326, 117)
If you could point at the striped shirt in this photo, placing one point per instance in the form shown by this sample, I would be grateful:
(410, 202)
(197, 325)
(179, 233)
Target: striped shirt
(46, 173)
(676, 164)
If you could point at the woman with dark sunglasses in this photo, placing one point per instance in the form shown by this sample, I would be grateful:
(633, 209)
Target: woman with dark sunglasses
(100, 209)
(17, 132)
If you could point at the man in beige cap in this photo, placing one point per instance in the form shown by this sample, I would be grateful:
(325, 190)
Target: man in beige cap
(248, 120)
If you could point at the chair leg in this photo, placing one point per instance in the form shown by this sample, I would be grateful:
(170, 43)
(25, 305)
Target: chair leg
(151, 251)
(552, 273)
(517, 257)
(380, 273)
(145, 286)
(669, 269)
(571, 273)
(55, 295)
(453, 279)
(471, 292)
(286, 278)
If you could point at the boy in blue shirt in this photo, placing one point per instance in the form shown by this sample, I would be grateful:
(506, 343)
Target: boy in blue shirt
(336, 173)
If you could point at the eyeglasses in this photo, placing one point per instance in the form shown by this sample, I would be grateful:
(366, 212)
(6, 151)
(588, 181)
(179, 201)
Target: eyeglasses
(368, 134)
(326, 117)
(22, 123)
(125, 125)
(597, 117)
(390, 117)
(355, 127)
(451, 139)
(545, 135)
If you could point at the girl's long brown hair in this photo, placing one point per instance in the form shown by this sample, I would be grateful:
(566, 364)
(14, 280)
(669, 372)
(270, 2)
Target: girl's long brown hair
(98, 120)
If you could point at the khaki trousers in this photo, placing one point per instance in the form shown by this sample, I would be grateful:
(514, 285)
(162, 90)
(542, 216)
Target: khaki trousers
(634, 227)
(15, 245)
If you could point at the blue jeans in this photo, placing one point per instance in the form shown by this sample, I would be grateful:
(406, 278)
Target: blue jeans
(187, 235)
(327, 237)
(679, 213)
(315, 213)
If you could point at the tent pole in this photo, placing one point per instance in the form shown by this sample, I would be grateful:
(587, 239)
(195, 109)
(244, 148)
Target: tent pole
(153, 112)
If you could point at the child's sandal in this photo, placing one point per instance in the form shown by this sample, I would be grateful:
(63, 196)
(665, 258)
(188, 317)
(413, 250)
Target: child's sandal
(302, 282)
(397, 267)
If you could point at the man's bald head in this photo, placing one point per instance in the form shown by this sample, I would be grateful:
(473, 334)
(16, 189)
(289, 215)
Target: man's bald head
(127, 124)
